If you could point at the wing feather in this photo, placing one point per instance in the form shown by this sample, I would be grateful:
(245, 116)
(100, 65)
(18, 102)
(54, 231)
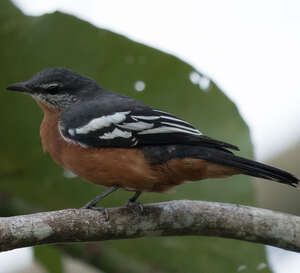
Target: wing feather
(134, 125)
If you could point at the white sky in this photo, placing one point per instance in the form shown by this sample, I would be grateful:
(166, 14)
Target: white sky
(14, 260)
(250, 48)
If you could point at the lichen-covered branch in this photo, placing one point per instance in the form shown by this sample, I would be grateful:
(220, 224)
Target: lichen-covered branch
(162, 219)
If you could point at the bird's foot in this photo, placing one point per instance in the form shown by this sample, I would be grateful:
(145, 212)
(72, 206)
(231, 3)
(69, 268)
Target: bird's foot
(92, 204)
(135, 205)
(101, 209)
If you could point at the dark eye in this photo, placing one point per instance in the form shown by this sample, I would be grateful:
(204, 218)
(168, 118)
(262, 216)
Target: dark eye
(51, 87)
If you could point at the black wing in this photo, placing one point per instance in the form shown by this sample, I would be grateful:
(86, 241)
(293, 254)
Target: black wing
(128, 123)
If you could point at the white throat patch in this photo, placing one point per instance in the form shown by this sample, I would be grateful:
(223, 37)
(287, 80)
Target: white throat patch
(59, 101)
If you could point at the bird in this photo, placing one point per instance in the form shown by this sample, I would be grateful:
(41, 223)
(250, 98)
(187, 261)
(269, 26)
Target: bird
(118, 142)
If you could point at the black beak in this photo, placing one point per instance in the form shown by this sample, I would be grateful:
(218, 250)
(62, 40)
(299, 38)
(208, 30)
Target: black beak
(19, 86)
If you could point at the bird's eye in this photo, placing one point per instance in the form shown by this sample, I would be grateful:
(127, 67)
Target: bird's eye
(51, 87)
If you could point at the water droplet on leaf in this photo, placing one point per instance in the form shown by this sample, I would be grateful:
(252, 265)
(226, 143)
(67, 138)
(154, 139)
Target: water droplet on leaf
(139, 86)
(241, 268)
(200, 79)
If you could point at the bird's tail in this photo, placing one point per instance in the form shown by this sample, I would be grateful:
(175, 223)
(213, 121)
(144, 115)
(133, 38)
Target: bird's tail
(250, 167)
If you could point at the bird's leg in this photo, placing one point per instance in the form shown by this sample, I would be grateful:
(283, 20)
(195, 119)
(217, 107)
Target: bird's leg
(92, 204)
(132, 202)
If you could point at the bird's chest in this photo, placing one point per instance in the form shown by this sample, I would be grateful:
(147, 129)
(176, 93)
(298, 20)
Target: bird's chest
(106, 166)
(52, 142)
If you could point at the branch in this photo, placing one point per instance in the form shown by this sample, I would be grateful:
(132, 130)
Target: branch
(161, 219)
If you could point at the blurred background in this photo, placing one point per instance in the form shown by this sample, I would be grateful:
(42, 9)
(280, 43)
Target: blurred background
(178, 56)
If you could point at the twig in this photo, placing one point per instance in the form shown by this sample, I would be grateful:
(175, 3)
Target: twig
(162, 219)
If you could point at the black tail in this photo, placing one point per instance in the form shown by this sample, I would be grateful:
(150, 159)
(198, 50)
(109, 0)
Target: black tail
(249, 167)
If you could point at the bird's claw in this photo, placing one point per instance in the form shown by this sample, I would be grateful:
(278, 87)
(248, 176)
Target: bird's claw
(101, 209)
(138, 205)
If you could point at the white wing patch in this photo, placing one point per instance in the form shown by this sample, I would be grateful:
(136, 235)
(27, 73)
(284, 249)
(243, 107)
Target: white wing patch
(116, 133)
(136, 126)
(175, 119)
(126, 126)
(145, 117)
(71, 132)
(99, 123)
(182, 127)
(166, 130)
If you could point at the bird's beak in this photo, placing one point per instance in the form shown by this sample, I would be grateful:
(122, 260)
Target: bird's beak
(19, 86)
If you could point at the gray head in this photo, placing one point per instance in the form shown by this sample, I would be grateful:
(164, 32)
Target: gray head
(57, 87)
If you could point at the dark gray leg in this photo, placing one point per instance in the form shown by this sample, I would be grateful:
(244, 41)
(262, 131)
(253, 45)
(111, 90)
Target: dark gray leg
(132, 202)
(135, 197)
(91, 204)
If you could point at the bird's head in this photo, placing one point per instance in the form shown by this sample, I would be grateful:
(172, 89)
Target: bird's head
(57, 87)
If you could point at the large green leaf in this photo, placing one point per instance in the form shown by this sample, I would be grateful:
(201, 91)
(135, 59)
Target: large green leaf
(29, 44)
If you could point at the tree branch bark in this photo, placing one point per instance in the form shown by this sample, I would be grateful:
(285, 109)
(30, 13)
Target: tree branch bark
(161, 219)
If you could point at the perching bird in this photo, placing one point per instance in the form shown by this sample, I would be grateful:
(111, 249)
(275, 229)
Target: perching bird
(115, 141)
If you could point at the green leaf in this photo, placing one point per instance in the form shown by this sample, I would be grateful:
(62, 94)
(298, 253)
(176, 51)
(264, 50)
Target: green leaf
(29, 44)
(50, 257)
